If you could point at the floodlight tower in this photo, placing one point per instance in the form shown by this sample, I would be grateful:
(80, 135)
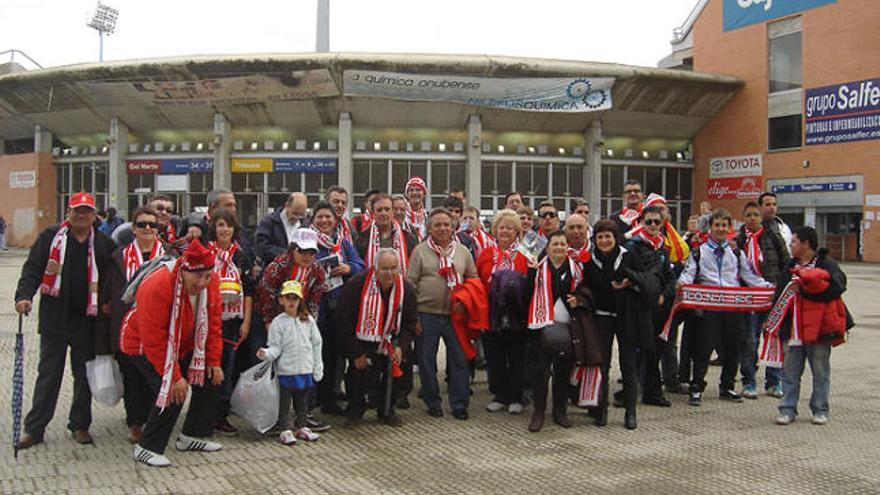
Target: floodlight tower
(103, 21)
(322, 44)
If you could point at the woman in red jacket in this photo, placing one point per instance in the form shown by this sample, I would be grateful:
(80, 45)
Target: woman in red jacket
(173, 335)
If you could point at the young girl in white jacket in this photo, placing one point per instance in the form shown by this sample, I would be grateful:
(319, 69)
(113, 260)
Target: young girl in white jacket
(295, 344)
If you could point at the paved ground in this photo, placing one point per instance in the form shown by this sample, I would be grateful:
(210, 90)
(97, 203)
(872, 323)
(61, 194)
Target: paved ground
(719, 447)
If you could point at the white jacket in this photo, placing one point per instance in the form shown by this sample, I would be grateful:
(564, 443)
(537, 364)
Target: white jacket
(296, 345)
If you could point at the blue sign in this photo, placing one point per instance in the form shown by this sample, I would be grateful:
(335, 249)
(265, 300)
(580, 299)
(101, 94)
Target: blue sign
(822, 187)
(187, 165)
(842, 113)
(313, 165)
(739, 13)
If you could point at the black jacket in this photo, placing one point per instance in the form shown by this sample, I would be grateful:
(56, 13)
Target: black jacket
(270, 238)
(362, 240)
(656, 263)
(53, 311)
(347, 314)
(772, 245)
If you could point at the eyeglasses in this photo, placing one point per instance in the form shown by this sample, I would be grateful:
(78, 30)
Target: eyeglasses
(653, 221)
(548, 214)
(143, 225)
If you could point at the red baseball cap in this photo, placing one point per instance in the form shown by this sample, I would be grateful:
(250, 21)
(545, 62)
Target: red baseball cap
(81, 199)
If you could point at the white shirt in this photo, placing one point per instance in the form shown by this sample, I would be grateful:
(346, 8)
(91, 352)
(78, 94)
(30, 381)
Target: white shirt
(289, 228)
(725, 272)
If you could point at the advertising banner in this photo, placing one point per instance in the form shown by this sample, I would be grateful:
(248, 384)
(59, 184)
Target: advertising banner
(313, 165)
(241, 165)
(740, 13)
(842, 113)
(187, 165)
(735, 166)
(23, 180)
(143, 166)
(816, 187)
(532, 94)
(735, 188)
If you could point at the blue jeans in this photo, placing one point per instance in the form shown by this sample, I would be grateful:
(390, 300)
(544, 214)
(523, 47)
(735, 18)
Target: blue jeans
(819, 356)
(435, 327)
(748, 366)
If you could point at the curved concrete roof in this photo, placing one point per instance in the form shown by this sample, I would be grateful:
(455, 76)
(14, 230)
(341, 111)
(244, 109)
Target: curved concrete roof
(72, 99)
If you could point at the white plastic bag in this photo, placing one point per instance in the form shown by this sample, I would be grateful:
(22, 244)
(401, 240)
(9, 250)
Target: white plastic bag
(105, 380)
(256, 397)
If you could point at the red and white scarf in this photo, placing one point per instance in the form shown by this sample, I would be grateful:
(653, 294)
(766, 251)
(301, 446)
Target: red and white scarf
(543, 299)
(446, 261)
(230, 278)
(630, 215)
(132, 259)
(583, 254)
(588, 379)
(51, 282)
(196, 372)
(343, 229)
(327, 242)
(378, 322)
(772, 353)
(715, 298)
(503, 259)
(656, 241)
(398, 243)
(416, 220)
(481, 238)
(366, 220)
(753, 249)
(168, 234)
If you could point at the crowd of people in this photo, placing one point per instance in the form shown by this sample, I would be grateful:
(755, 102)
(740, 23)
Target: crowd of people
(350, 309)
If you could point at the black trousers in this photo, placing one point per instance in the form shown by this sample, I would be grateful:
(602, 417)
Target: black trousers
(78, 335)
(136, 395)
(689, 335)
(327, 386)
(231, 334)
(505, 355)
(300, 399)
(650, 361)
(199, 418)
(726, 327)
(551, 362)
(371, 381)
(404, 385)
(611, 327)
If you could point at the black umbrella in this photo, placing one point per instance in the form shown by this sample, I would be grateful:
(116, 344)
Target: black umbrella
(17, 386)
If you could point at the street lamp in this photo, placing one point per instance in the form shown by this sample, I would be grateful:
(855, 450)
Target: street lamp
(103, 21)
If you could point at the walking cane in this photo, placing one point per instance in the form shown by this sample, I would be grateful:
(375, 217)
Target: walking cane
(17, 386)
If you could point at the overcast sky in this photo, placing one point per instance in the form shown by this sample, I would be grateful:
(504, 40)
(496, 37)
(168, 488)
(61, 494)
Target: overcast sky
(636, 32)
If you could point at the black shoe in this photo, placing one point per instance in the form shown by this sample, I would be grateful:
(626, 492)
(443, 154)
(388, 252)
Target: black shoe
(656, 401)
(461, 414)
(618, 399)
(332, 409)
(730, 395)
(630, 420)
(537, 421)
(316, 424)
(435, 412)
(696, 398)
(402, 403)
(601, 417)
(677, 389)
(560, 417)
(393, 420)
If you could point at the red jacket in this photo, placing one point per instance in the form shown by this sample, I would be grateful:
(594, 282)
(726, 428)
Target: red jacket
(475, 318)
(484, 264)
(145, 328)
(822, 321)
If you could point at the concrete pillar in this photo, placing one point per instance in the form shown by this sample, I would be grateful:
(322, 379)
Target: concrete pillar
(810, 216)
(117, 172)
(2, 147)
(345, 164)
(222, 150)
(42, 140)
(473, 176)
(593, 145)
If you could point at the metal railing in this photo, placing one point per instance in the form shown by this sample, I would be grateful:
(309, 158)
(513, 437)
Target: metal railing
(13, 52)
(681, 32)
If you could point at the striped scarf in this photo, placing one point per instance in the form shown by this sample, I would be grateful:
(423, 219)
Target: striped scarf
(51, 282)
(656, 241)
(714, 298)
(753, 249)
(230, 281)
(789, 301)
(132, 259)
(416, 221)
(503, 259)
(327, 242)
(630, 215)
(398, 243)
(481, 238)
(543, 299)
(343, 229)
(446, 261)
(378, 322)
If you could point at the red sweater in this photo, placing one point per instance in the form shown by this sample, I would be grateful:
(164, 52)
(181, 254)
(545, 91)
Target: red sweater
(485, 262)
(145, 328)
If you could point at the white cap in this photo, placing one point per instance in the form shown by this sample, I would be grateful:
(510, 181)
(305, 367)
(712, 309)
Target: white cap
(305, 239)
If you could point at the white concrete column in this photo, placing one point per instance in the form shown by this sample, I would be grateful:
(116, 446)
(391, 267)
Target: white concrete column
(117, 172)
(222, 150)
(593, 145)
(810, 216)
(42, 139)
(473, 174)
(344, 163)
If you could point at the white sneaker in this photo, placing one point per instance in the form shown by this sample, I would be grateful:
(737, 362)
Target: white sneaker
(515, 408)
(150, 458)
(494, 406)
(820, 419)
(784, 419)
(193, 444)
(306, 434)
(287, 438)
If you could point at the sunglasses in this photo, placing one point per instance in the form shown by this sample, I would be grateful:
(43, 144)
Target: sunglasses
(548, 214)
(653, 221)
(143, 225)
